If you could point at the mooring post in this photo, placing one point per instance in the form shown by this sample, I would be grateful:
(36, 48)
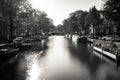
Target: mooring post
(117, 56)
(102, 50)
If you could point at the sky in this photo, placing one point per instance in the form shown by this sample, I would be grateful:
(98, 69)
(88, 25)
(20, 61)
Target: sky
(58, 10)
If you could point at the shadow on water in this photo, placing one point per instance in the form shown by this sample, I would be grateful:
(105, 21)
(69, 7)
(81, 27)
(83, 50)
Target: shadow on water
(8, 71)
(85, 54)
(15, 69)
(100, 67)
(39, 45)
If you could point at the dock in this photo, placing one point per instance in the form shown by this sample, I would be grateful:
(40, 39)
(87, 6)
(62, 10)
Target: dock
(106, 53)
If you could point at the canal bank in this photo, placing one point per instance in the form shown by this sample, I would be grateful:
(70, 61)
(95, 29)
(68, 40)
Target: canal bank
(107, 48)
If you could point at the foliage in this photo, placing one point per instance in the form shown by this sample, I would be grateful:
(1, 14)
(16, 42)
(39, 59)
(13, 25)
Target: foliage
(80, 21)
(94, 16)
(76, 22)
(21, 19)
(9, 9)
(112, 10)
(112, 14)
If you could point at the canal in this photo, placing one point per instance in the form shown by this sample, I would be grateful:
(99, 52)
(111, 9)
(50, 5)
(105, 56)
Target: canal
(59, 58)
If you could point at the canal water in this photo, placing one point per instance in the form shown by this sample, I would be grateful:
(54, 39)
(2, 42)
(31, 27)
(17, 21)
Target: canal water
(59, 58)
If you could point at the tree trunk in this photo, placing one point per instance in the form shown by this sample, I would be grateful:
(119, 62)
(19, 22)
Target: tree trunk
(11, 29)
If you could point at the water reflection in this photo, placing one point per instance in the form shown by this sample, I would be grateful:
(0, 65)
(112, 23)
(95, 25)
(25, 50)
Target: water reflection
(59, 63)
(66, 60)
(33, 71)
(63, 59)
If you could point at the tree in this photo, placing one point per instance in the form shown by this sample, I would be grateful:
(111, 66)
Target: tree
(9, 9)
(21, 19)
(94, 19)
(67, 26)
(81, 15)
(45, 23)
(112, 12)
(76, 22)
(33, 22)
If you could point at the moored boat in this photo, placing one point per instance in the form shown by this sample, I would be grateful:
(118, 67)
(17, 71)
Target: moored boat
(82, 40)
(7, 51)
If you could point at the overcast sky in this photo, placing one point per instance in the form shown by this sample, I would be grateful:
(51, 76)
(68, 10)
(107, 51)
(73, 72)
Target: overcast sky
(59, 10)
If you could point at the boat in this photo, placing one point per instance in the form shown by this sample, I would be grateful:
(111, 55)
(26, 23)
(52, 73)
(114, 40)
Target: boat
(111, 50)
(7, 51)
(82, 40)
(106, 53)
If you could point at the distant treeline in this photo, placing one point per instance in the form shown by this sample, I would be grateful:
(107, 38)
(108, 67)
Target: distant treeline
(94, 22)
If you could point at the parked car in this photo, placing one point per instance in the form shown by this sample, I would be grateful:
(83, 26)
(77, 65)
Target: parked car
(100, 38)
(104, 38)
(18, 40)
(37, 38)
(115, 46)
(109, 38)
(28, 40)
(116, 39)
